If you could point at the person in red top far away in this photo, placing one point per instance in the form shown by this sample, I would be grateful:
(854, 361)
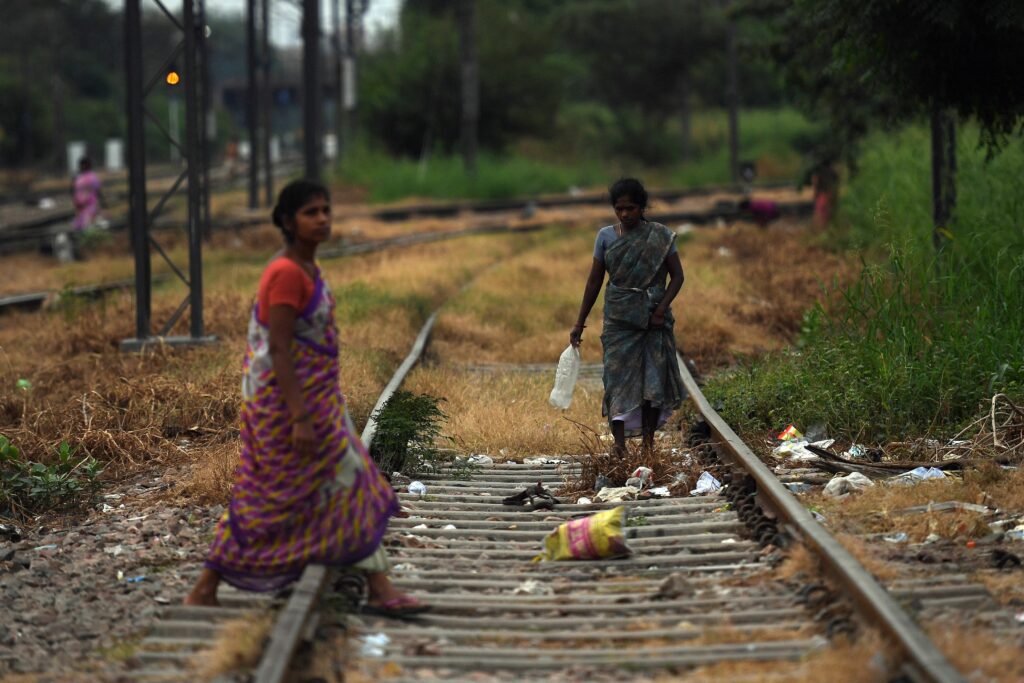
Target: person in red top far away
(761, 211)
(306, 490)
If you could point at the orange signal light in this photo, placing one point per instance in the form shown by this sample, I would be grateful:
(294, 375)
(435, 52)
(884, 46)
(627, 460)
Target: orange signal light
(173, 78)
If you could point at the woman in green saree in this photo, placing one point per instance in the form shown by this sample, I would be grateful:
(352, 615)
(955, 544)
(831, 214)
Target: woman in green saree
(642, 384)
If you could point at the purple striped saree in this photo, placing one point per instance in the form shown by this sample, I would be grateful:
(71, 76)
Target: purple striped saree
(289, 510)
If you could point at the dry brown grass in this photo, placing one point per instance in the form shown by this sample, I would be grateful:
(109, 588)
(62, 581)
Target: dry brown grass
(506, 414)
(1005, 587)
(238, 645)
(877, 509)
(864, 660)
(133, 409)
(980, 654)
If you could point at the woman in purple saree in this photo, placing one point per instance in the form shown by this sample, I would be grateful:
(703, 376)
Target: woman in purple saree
(306, 490)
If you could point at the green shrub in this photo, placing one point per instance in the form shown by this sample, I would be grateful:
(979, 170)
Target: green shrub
(32, 487)
(408, 429)
(921, 339)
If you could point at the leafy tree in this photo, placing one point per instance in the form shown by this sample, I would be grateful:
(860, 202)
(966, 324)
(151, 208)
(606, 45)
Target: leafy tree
(869, 60)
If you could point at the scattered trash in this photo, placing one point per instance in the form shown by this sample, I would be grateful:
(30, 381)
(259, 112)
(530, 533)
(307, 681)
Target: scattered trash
(789, 433)
(932, 538)
(942, 507)
(536, 497)
(374, 645)
(135, 579)
(674, 586)
(851, 483)
(818, 517)
(49, 546)
(642, 473)
(566, 373)
(589, 538)
(10, 533)
(23, 384)
(793, 449)
(661, 491)
(856, 451)
(918, 474)
(1003, 559)
(899, 537)
(706, 483)
(799, 487)
(584, 501)
(114, 550)
(728, 540)
(543, 460)
(449, 527)
(480, 460)
(816, 433)
(418, 488)
(532, 587)
(601, 482)
(421, 526)
(1016, 533)
(617, 494)
(120, 575)
(635, 482)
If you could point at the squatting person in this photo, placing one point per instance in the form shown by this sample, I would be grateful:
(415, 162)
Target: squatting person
(642, 384)
(306, 490)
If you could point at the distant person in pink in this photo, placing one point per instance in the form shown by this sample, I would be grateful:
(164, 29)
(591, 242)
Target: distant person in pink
(86, 195)
(762, 211)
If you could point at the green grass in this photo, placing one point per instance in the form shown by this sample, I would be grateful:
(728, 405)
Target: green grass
(922, 339)
(443, 177)
(771, 138)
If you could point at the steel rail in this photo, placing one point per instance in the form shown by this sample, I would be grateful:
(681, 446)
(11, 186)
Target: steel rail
(294, 620)
(924, 661)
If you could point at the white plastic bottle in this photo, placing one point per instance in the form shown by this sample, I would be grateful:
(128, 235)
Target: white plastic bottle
(565, 378)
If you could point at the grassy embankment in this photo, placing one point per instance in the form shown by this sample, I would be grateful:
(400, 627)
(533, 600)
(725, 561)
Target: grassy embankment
(921, 340)
(768, 137)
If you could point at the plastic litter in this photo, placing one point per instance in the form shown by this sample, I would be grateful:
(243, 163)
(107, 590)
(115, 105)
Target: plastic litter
(899, 537)
(932, 538)
(480, 460)
(635, 482)
(855, 452)
(590, 538)
(610, 494)
(418, 488)
(789, 433)
(644, 474)
(947, 505)
(566, 373)
(374, 644)
(543, 461)
(49, 546)
(449, 526)
(799, 487)
(818, 517)
(918, 474)
(135, 579)
(23, 384)
(1016, 533)
(532, 587)
(661, 491)
(851, 483)
(601, 481)
(706, 483)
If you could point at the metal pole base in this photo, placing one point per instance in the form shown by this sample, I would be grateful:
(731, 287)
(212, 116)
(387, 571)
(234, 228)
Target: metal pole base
(135, 344)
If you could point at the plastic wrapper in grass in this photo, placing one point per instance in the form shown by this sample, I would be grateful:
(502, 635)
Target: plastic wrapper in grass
(595, 537)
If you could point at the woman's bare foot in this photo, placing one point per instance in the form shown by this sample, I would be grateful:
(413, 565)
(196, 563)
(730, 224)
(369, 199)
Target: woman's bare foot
(383, 592)
(204, 593)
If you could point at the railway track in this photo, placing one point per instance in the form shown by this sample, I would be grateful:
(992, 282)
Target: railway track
(38, 228)
(698, 590)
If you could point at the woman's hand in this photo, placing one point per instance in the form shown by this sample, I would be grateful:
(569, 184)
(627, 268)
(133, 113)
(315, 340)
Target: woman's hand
(576, 336)
(657, 320)
(303, 437)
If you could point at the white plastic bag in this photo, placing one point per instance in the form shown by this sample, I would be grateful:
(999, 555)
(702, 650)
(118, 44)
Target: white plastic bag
(565, 378)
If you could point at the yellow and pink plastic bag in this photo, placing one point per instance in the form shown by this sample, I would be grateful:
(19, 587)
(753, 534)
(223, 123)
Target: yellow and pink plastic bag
(595, 537)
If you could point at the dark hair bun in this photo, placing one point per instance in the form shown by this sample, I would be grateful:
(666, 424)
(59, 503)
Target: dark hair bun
(293, 197)
(628, 187)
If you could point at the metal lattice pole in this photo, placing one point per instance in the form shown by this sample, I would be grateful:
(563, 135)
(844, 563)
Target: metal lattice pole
(312, 93)
(137, 210)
